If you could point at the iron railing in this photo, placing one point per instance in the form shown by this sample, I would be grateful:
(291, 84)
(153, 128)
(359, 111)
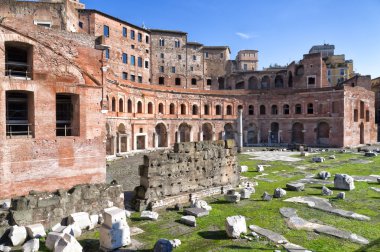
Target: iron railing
(19, 129)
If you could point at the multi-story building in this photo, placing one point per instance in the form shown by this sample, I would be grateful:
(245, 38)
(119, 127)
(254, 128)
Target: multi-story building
(326, 50)
(69, 98)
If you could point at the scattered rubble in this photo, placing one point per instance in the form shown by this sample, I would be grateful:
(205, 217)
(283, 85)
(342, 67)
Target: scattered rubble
(235, 226)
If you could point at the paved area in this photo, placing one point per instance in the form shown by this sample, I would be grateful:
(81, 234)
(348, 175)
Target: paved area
(287, 156)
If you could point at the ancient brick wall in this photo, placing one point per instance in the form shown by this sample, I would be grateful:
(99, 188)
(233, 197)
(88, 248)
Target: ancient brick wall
(188, 169)
(52, 208)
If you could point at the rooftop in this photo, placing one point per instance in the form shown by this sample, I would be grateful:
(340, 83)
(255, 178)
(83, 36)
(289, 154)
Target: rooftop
(168, 31)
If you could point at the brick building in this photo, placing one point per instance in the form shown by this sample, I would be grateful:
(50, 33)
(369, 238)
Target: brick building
(82, 85)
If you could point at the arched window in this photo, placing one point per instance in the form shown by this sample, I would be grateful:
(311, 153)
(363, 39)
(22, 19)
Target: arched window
(262, 110)
(113, 104)
(161, 108)
(265, 82)
(274, 110)
(206, 110)
(162, 42)
(300, 70)
(218, 110)
(172, 109)
(193, 81)
(129, 104)
(310, 108)
(229, 110)
(195, 109)
(183, 109)
(150, 108)
(298, 109)
(139, 107)
(251, 110)
(279, 82)
(121, 105)
(285, 109)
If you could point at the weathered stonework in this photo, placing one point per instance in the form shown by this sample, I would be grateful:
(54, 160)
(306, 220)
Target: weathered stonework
(201, 169)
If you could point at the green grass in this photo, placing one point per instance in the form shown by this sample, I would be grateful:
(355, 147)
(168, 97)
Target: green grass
(209, 235)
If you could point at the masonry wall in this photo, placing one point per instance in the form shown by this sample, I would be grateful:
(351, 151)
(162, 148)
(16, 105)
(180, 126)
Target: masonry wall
(189, 168)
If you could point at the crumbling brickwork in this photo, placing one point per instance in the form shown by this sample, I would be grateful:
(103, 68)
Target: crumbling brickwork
(189, 168)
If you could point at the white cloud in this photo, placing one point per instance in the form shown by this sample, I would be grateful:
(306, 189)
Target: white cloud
(243, 35)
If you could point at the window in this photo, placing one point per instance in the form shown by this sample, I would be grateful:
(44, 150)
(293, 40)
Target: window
(81, 25)
(191, 69)
(67, 115)
(172, 109)
(132, 46)
(173, 69)
(150, 108)
(195, 109)
(146, 64)
(356, 115)
(161, 69)
(229, 110)
(107, 52)
(245, 67)
(121, 105)
(193, 81)
(179, 57)
(125, 76)
(162, 56)
(133, 60)
(106, 31)
(177, 44)
(125, 58)
(129, 106)
(147, 39)
(206, 54)
(139, 79)
(286, 109)
(162, 42)
(183, 109)
(160, 108)
(298, 109)
(18, 60)
(206, 109)
(310, 108)
(342, 71)
(209, 81)
(46, 24)
(124, 32)
(139, 37)
(251, 110)
(367, 115)
(361, 110)
(329, 72)
(19, 114)
(311, 80)
(274, 110)
(218, 110)
(139, 107)
(133, 77)
(262, 110)
(132, 34)
(139, 62)
(221, 55)
(161, 80)
(113, 104)
(194, 57)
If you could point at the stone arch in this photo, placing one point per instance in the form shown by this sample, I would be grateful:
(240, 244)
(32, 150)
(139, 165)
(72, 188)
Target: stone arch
(252, 134)
(221, 82)
(150, 108)
(195, 109)
(122, 145)
(253, 83)
(161, 135)
(265, 82)
(300, 70)
(229, 131)
(184, 131)
(129, 106)
(274, 132)
(207, 132)
(172, 109)
(279, 82)
(323, 133)
(183, 109)
(297, 133)
(121, 105)
(240, 85)
(113, 104)
(139, 107)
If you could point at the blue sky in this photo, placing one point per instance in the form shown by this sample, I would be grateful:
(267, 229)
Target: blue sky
(282, 30)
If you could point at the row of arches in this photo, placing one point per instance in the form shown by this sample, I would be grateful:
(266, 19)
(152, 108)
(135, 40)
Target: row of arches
(265, 82)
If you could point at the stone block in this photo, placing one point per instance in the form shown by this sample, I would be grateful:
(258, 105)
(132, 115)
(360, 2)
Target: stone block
(32, 245)
(36, 231)
(279, 193)
(243, 168)
(266, 197)
(67, 243)
(113, 217)
(149, 215)
(72, 229)
(232, 196)
(343, 182)
(230, 144)
(94, 219)
(326, 191)
(235, 226)
(260, 168)
(163, 245)
(341, 195)
(245, 193)
(295, 186)
(17, 235)
(200, 204)
(82, 219)
(176, 243)
(324, 175)
(114, 238)
(370, 154)
(318, 159)
(189, 220)
(197, 212)
(51, 239)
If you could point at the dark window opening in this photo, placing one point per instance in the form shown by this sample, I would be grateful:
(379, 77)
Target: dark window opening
(132, 34)
(262, 110)
(125, 76)
(124, 32)
(251, 110)
(178, 81)
(67, 115)
(206, 110)
(193, 81)
(218, 110)
(311, 81)
(161, 80)
(121, 105)
(139, 107)
(310, 108)
(139, 79)
(361, 110)
(229, 110)
(18, 60)
(286, 109)
(367, 115)
(129, 104)
(209, 82)
(113, 104)
(160, 108)
(172, 109)
(356, 115)
(139, 37)
(106, 31)
(195, 110)
(19, 114)
(298, 109)
(183, 109)
(274, 110)
(150, 108)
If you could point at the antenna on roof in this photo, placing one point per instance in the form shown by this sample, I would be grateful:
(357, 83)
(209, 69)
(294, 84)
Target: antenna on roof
(143, 25)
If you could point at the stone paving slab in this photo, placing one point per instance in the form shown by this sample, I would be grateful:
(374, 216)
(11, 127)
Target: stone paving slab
(274, 156)
(295, 222)
(370, 178)
(324, 205)
(376, 189)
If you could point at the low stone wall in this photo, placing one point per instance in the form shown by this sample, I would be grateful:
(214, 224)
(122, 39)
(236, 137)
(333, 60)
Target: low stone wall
(52, 208)
(190, 170)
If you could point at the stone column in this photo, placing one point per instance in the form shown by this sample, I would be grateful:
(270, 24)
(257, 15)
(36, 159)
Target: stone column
(279, 136)
(240, 129)
(178, 137)
(269, 137)
(258, 137)
(119, 142)
(155, 140)
(113, 145)
(200, 136)
(223, 135)
(245, 134)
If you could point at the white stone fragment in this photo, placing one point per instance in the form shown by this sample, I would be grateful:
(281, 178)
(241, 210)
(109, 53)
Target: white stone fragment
(200, 204)
(36, 231)
(31, 246)
(51, 239)
(113, 238)
(243, 168)
(17, 235)
(73, 230)
(94, 219)
(113, 217)
(128, 214)
(149, 215)
(56, 227)
(235, 226)
(81, 218)
(67, 243)
(176, 243)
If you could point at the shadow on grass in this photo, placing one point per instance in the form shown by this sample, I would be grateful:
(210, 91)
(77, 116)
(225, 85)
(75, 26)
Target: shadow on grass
(233, 247)
(373, 246)
(213, 235)
(221, 202)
